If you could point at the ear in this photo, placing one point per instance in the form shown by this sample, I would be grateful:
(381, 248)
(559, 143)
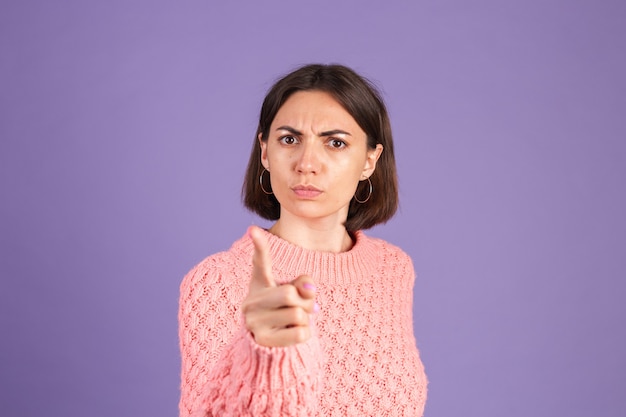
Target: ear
(263, 145)
(370, 162)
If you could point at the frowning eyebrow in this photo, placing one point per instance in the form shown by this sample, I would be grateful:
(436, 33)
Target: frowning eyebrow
(327, 133)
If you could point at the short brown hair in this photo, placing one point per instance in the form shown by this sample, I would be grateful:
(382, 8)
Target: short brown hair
(364, 103)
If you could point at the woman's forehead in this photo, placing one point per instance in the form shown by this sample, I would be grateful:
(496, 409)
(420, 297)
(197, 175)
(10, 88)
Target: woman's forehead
(314, 110)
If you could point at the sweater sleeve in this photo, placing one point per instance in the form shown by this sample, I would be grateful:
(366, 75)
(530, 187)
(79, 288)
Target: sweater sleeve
(224, 371)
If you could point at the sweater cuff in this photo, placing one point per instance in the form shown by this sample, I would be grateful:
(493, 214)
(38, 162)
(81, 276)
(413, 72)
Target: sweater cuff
(255, 380)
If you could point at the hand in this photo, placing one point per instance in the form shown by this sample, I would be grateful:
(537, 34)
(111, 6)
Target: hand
(276, 315)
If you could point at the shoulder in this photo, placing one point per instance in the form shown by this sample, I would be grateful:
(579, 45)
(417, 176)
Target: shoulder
(390, 259)
(391, 262)
(226, 268)
(387, 250)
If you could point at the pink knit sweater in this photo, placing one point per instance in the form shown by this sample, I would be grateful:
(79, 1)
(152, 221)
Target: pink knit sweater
(361, 361)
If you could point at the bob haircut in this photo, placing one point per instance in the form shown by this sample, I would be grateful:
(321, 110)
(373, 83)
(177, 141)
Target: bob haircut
(364, 103)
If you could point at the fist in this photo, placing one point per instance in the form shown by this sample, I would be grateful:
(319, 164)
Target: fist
(276, 315)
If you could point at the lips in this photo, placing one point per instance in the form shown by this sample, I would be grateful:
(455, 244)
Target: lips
(306, 191)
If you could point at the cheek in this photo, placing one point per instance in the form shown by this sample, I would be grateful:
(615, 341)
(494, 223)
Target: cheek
(279, 163)
(279, 171)
(351, 168)
(347, 177)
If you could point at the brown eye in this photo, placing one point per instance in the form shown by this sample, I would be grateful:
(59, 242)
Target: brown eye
(288, 140)
(337, 144)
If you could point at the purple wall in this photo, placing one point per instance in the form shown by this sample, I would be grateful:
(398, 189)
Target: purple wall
(125, 128)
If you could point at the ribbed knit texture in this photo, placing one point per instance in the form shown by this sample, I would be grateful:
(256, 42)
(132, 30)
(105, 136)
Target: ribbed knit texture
(361, 361)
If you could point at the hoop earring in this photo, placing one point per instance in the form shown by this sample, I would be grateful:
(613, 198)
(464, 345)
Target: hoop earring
(371, 188)
(261, 182)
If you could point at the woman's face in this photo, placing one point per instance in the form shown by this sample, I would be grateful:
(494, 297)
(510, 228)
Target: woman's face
(316, 154)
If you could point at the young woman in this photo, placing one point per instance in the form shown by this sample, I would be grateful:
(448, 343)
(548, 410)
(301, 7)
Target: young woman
(310, 317)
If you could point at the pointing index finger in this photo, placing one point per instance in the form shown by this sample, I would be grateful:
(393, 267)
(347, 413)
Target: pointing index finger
(261, 260)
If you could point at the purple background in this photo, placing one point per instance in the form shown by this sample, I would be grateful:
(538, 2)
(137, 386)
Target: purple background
(125, 128)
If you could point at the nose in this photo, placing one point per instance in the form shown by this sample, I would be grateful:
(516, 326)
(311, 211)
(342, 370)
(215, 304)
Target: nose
(309, 159)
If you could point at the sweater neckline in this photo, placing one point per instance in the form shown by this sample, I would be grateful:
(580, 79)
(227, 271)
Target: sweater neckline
(290, 260)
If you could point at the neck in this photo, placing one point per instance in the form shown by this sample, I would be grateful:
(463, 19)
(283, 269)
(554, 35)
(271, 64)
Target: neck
(312, 236)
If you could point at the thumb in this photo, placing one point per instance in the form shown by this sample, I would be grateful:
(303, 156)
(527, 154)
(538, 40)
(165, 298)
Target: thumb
(306, 287)
(262, 276)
